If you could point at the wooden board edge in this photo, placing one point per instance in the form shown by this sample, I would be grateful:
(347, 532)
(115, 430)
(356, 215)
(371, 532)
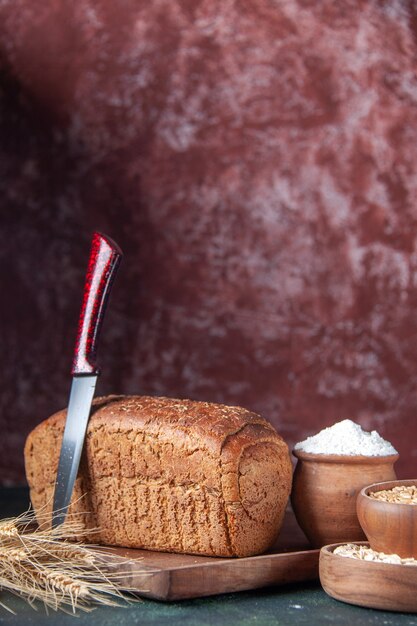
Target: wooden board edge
(196, 581)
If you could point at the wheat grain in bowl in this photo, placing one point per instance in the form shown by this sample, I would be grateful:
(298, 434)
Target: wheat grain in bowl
(401, 494)
(388, 518)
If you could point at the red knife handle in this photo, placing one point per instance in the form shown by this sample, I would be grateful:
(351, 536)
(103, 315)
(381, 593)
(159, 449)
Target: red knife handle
(105, 257)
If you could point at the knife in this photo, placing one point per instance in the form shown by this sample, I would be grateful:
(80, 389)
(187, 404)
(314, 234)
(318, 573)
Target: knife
(104, 260)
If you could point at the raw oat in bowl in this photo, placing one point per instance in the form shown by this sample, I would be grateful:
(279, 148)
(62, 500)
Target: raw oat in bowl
(368, 578)
(387, 513)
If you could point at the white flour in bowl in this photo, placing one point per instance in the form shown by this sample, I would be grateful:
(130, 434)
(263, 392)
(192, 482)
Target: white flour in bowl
(346, 438)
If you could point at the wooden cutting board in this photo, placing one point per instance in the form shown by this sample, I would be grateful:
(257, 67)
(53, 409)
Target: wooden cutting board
(166, 576)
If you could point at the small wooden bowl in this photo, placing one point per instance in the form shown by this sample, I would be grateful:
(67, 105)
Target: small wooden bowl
(389, 526)
(367, 583)
(325, 488)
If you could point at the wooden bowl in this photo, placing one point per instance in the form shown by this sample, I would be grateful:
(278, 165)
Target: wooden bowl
(389, 526)
(367, 583)
(325, 489)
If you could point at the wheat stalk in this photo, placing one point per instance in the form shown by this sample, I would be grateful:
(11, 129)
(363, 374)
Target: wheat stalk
(41, 563)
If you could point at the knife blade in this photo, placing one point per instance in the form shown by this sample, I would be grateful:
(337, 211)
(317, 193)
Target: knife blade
(105, 257)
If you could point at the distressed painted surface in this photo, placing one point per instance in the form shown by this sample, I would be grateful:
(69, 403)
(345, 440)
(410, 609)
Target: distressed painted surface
(257, 164)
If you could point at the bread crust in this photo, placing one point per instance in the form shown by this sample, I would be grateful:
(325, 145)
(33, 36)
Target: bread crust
(171, 475)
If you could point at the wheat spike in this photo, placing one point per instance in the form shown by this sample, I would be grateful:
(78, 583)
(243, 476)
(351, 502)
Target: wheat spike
(45, 564)
(8, 529)
(12, 554)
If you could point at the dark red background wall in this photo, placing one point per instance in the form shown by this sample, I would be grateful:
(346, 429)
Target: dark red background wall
(257, 163)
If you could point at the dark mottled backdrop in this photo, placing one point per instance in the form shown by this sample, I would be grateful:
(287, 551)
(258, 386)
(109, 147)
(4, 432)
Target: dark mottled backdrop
(257, 163)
